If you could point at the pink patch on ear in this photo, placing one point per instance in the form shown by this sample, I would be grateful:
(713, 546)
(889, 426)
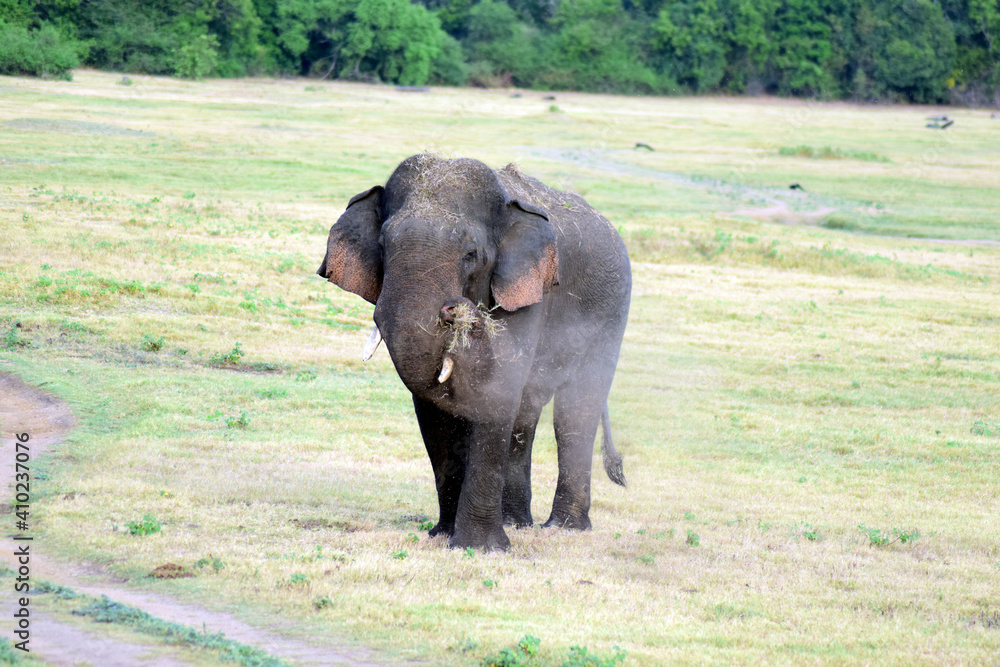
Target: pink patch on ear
(345, 270)
(525, 290)
(528, 287)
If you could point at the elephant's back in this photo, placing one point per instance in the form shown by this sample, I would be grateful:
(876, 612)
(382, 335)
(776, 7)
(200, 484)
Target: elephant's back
(594, 270)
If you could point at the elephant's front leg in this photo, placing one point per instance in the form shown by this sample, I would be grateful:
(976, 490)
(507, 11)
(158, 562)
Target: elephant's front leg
(445, 437)
(517, 473)
(479, 521)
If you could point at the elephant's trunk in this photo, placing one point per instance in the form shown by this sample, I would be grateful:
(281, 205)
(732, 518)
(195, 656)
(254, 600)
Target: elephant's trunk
(446, 349)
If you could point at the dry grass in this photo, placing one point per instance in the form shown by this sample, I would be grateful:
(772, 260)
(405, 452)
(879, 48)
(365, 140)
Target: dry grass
(468, 320)
(780, 384)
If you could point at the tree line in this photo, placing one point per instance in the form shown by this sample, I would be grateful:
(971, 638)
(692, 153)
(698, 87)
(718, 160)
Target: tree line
(923, 51)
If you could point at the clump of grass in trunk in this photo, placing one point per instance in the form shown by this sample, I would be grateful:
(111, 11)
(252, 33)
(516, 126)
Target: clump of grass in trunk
(467, 320)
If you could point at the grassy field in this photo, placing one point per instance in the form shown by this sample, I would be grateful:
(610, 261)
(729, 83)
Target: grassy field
(808, 399)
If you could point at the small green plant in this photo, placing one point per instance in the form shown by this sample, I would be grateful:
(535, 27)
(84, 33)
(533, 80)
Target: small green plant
(151, 344)
(240, 422)
(306, 376)
(810, 533)
(273, 392)
(647, 559)
(490, 583)
(984, 428)
(692, 538)
(879, 538)
(402, 554)
(526, 649)
(231, 358)
(321, 602)
(469, 553)
(580, 656)
(147, 526)
(426, 525)
(296, 580)
(209, 561)
(13, 339)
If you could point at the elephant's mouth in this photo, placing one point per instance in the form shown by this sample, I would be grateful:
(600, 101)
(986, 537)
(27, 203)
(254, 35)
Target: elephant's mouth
(464, 329)
(462, 323)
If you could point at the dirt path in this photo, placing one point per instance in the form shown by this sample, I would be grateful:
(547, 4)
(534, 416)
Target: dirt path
(776, 210)
(27, 409)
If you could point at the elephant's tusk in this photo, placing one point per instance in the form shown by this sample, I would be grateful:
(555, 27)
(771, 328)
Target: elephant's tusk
(371, 344)
(446, 368)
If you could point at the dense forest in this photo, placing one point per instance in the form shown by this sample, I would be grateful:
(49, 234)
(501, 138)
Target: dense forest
(925, 51)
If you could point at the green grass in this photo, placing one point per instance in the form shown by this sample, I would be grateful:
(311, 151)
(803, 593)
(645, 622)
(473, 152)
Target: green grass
(807, 376)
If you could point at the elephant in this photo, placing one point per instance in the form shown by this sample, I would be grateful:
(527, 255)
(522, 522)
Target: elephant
(494, 294)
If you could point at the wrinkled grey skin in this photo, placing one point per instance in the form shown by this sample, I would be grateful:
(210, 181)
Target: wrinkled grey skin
(554, 277)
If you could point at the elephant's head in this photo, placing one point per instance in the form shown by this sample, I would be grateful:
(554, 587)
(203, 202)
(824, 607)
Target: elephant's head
(446, 255)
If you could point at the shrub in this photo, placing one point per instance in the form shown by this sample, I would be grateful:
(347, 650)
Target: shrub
(147, 526)
(41, 52)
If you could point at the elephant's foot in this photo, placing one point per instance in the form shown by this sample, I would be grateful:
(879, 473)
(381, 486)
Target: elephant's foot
(442, 529)
(517, 515)
(518, 520)
(488, 539)
(569, 521)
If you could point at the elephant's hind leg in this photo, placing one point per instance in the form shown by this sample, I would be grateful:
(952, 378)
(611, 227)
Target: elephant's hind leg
(577, 414)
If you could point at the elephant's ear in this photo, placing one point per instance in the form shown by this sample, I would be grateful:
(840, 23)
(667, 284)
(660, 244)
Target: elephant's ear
(527, 262)
(353, 257)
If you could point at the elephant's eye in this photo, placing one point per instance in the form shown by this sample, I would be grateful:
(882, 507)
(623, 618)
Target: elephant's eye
(471, 257)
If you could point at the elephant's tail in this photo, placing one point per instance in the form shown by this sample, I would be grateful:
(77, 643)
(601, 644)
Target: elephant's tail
(612, 459)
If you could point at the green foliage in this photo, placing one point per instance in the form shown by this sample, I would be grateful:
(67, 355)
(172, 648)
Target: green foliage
(147, 526)
(231, 358)
(240, 422)
(106, 610)
(981, 427)
(580, 656)
(151, 343)
(8, 655)
(692, 538)
(295, 580)
(913, 50)
(321, 602)
(391, 40)
(905, 49)
(691, 36)
(209, 561)
(14, 339)
(526, 649)
(448, 68)
(880, 538)
(501, 48)
(36, 52)
(197, 58)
